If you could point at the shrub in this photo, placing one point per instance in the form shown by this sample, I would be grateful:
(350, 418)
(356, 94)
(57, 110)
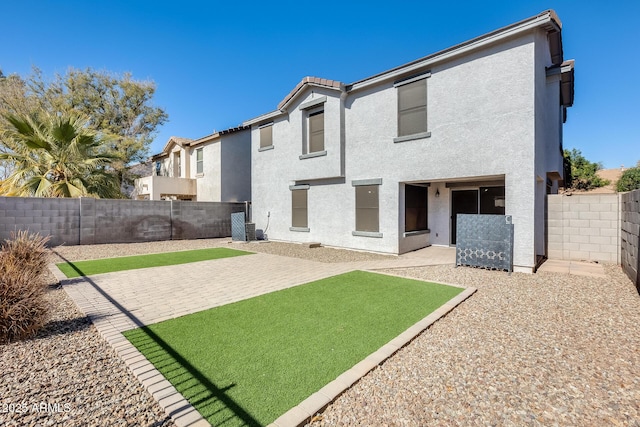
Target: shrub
(23, 308)
(630, 180)
(582, 173)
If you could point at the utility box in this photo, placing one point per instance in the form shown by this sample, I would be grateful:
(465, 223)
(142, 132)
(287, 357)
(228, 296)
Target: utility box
(250, 231)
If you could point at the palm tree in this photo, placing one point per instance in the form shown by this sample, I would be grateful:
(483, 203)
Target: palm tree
(55, 156)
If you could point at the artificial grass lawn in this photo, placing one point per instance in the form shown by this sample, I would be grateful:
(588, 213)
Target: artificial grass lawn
(249, 362)
(107, 265)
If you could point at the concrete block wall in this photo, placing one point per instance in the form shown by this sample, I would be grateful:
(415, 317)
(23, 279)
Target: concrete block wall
(123, 221)
(630, 235)
(198, 220)
(87, 221)
(584, 227)
(58, 218)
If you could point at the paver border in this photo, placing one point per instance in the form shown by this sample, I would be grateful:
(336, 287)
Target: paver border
(184, 414)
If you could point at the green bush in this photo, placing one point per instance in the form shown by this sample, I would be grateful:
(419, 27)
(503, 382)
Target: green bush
(23, 308)
(581, 174)
(630, 180)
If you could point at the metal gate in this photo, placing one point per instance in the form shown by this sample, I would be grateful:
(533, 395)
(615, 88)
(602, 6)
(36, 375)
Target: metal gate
(485, 241)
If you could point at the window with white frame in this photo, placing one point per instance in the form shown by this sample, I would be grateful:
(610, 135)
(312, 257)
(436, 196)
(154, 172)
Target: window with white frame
(199, 161)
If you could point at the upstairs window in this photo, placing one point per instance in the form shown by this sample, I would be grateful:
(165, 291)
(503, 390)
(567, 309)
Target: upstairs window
(266, 135)
(176, 168)
(313, 127)
(316, 131)
(412, 106)
(199, 161)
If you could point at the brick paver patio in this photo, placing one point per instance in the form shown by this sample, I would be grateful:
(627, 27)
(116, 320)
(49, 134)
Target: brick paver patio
(124, 300)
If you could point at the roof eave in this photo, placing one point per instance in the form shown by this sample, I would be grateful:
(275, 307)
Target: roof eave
(567, 82)
(263, 118)
(174, 140)
(284, 105)
(217, 135)
(547, 20)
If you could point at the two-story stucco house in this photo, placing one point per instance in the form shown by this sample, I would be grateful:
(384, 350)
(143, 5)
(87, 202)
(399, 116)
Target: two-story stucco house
(214, 168)
(386, 163)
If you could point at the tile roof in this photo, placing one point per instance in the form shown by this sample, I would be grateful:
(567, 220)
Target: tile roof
(173, 140)
(217, 134)
(316, 81)
(180, 140)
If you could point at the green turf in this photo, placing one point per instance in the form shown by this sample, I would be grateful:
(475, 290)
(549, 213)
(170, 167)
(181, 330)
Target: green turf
(248, 362)
(107, 265)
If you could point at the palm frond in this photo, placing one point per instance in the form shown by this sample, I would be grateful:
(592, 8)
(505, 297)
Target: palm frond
(57, 156)
(28, 130)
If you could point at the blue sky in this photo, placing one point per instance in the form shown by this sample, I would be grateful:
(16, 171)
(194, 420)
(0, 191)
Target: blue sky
(217, 64)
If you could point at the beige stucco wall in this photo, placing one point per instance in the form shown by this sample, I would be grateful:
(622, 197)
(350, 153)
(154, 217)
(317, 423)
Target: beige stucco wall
(584, 227)
(156, 186)
(208, 182)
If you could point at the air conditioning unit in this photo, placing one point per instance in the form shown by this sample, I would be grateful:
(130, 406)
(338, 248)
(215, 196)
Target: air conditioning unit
(250, 231)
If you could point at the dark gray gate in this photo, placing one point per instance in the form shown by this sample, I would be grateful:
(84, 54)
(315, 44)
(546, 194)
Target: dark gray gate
(485, 241)
(630, 236)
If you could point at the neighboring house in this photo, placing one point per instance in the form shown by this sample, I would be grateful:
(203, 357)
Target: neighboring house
(214, 168)
(134, 172)
(386, 163)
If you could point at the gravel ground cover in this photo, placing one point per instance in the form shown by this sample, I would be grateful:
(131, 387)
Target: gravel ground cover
(75, 374)
(69, 376)
(539, 350)
(544, 349)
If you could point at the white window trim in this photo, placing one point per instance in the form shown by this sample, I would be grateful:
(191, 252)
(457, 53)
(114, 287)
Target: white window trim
(200, 150)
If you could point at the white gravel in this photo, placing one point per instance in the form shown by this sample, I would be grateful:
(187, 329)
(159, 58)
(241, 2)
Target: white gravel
(544, 349)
